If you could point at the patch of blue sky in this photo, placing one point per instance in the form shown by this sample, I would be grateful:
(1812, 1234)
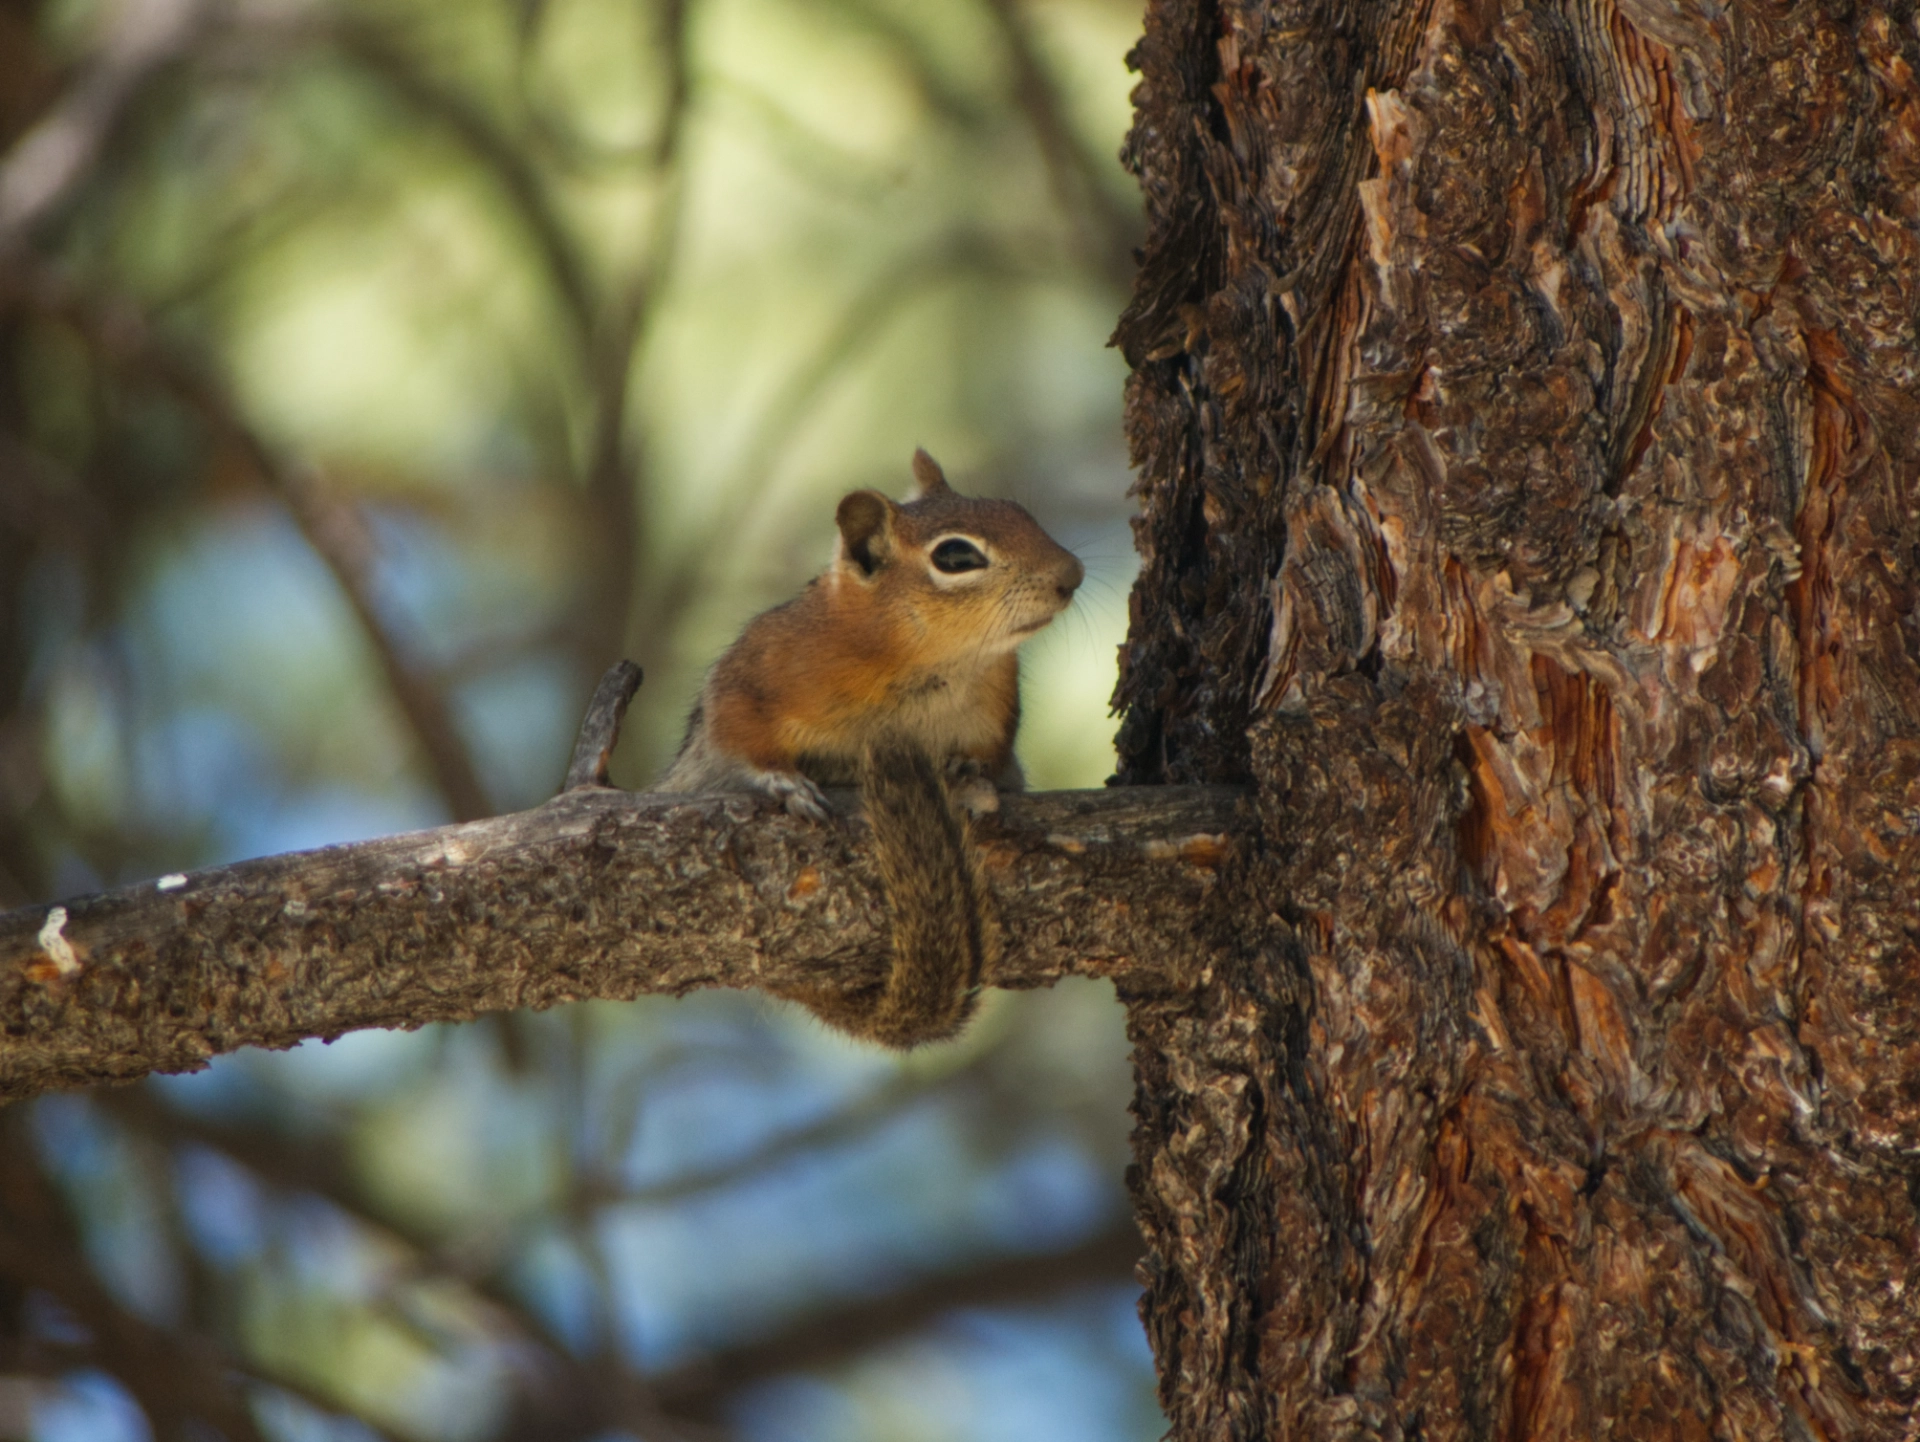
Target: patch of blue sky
(553, 1277)
(124, 1228)
(301, 1083)
(1047, 1194)
(718, 1117)
(796, 1409)
(450, 590)
(469, 1150)
(461, 1396)
(518, 721)
(899, 1201)
(242, 599)
(299, 1091)
(221, 1206)
(246, 593)
(199, 765)
(1117, 1326)
(429, 586)
(1035, 1374)
(1044, 1374)
(287, 1418)
(258, 639)
(71, 1137)
(88, 1407)
(308, 817)
(325, 1252)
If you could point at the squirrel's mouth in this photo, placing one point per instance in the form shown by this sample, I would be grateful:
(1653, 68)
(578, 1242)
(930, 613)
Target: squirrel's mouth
(1040, 622)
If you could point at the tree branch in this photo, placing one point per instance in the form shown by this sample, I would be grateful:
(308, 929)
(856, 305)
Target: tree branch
(597, 893)
(600, 729)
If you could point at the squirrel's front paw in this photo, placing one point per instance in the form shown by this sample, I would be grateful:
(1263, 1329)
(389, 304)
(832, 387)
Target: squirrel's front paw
(976, 796)
(798, 794)
(970, 787)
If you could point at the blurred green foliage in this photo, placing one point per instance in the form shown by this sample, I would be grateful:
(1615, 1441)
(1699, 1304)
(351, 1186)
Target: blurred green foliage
(371, 376)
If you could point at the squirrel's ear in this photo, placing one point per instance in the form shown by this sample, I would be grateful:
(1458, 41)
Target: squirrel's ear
(865, 519)
(933, 480)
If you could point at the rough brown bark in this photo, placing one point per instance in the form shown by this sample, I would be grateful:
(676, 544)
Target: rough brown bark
(597, 894)
(1525, 405)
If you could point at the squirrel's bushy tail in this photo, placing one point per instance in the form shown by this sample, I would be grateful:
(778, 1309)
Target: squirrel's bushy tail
(944, 933)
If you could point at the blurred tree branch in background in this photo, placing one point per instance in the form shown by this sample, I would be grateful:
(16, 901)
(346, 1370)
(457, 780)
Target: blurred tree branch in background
(828, 1337)
(178, 1381)
(371, 376)
(122, 341)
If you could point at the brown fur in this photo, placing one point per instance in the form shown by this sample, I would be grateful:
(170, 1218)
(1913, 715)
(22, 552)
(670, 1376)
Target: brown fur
(888, 671)
(945, 933)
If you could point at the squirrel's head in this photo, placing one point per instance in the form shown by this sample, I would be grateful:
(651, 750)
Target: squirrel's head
(968, 575)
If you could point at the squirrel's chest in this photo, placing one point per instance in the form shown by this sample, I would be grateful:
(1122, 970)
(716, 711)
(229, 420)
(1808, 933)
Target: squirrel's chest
(949, 712)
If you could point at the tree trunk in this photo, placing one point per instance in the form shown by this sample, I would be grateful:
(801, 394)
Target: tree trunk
(1525, 410)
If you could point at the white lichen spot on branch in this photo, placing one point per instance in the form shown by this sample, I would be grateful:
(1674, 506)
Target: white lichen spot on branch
(55, 947)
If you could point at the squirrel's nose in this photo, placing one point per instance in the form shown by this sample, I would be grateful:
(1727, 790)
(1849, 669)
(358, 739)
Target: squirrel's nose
(1071, 575)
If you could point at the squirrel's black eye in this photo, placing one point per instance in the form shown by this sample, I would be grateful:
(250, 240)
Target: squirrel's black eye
(953, 556)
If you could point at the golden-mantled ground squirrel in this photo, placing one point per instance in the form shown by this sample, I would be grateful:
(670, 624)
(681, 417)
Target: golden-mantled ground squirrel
(894, 669)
